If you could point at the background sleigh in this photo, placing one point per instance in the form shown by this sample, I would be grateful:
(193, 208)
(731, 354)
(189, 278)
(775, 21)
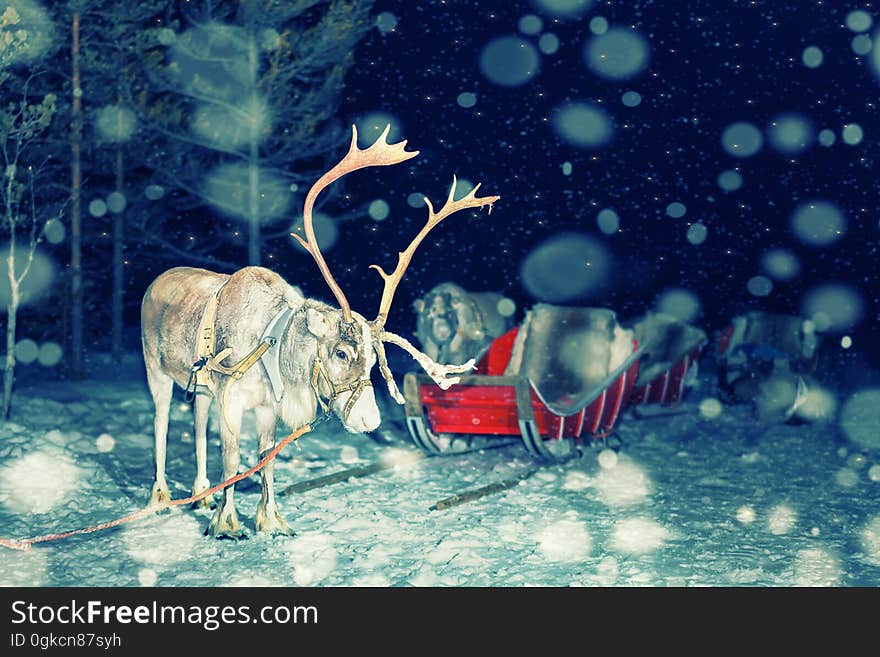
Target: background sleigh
(758, 348)
(671, 351)
(562, 376)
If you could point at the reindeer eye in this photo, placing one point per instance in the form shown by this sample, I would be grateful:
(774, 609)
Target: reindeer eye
(341, 355)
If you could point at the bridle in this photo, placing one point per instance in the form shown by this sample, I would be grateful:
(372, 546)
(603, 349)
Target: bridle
(319, 370)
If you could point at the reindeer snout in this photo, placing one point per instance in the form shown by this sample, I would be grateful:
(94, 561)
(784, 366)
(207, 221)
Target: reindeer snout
(364, 415)
(360, 424)
(366, 424)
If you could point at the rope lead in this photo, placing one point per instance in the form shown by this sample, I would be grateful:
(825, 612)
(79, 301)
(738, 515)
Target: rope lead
(26, 543)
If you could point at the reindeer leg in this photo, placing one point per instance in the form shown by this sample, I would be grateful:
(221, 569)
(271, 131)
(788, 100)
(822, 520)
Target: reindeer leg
(201, 483)
(268, 518)
(161, 387)
(225, 523)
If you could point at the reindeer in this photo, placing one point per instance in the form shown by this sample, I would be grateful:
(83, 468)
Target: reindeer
(314, 356)
(453, 324)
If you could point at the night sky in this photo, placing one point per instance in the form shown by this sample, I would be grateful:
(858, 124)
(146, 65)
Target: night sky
(706, 66)
(711, 64)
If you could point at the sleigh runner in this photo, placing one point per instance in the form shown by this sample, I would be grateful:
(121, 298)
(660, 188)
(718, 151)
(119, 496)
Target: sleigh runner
(561, 377)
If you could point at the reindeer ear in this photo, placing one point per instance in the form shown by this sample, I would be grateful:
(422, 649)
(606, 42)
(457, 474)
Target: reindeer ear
(419, 305)
(317, 323)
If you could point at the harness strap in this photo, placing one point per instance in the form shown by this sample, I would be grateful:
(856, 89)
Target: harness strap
(206, 362)
(356, 388)
(237, 371)
(317, 371)
(206, 338)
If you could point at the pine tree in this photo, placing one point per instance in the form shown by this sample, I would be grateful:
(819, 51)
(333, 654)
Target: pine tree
(114, 31)
(247, 92)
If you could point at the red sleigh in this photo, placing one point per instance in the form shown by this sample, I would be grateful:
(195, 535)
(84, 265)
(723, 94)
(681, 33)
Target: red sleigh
(500, 399)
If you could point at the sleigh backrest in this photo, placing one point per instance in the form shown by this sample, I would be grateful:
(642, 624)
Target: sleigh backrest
(568, 353)
(494, 360)
(665, 341)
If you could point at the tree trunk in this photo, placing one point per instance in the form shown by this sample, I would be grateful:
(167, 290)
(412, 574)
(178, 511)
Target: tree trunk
(254, 211)
(9, 374)
(76, 294)
(118, 265)
(254, 165)
(11, 316)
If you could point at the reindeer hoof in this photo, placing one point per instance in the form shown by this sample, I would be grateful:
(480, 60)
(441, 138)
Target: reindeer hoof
(204, 503)
(272, 522)
(231, 535)
(160, 495)
(226, 525)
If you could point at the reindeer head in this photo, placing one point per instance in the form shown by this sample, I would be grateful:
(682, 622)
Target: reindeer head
(437, 316)
(339, 375)
(368, 345)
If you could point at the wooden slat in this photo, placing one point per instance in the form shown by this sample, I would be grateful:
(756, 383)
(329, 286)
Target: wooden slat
(524, 408)
(412, 396)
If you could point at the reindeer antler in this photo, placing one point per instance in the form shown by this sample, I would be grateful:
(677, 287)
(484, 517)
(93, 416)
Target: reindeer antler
(380, 153)
(441, 374)
(451, 206)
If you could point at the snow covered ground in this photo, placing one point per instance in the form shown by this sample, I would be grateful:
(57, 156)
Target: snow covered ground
(691, 500)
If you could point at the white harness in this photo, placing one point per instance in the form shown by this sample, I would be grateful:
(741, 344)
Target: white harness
(271, 358)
